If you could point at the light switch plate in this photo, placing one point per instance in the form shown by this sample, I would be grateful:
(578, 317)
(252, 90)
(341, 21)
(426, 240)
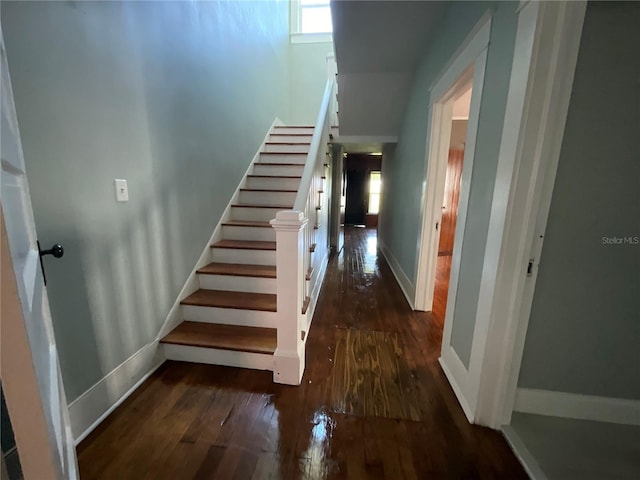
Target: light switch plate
(122, 191)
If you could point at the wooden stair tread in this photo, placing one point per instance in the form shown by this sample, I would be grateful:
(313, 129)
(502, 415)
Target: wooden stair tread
(305, 304)
(239, 269)
(265, 302)
(253, 205)
(293, 134)
(266, 190)
(283, 153)
(268, 164)
(274, 176)
(224, 337)
(245, 244)
(245, 223)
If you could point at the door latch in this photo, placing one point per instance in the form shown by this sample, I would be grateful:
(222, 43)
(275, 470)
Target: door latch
(530, 267)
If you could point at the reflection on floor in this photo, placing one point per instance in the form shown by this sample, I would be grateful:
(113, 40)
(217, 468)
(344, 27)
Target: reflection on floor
(371, 368)
(564, 448)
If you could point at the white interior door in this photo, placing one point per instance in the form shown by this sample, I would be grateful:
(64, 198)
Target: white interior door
(30, 369)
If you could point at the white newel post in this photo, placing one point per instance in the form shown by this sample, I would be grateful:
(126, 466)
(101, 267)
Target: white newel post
(289, 354)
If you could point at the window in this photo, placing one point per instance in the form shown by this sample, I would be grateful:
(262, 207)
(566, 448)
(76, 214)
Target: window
(311, 21)
(375, 185)
(315, 16)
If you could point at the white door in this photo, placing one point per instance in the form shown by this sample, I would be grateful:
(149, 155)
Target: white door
(29, 365)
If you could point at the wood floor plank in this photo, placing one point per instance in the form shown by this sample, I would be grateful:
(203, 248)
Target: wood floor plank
(373, 402)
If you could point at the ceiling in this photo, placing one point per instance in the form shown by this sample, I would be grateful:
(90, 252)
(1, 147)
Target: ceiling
(378, 46)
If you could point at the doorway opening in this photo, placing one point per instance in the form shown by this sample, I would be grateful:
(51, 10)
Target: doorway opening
(362, 172)
(450, 201)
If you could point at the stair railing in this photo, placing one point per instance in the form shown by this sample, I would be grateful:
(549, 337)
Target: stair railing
(301, 247)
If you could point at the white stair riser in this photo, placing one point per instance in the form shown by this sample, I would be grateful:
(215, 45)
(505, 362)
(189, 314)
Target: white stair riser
(267, 198)
(250, 214)
(286, 147)
(250, 257)
(277, 170)
(260, 234)
(300, 158)
(293, 130)
(235, 283)
(229, 316)
(214, 356)
(274, 183)
(291, 138)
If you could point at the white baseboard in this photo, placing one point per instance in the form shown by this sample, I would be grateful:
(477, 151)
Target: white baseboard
(581, 407)
(523, 454)
(406, 285)
(93, 406)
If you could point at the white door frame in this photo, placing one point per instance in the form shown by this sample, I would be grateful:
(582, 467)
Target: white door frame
(545, 56)
(466, 68)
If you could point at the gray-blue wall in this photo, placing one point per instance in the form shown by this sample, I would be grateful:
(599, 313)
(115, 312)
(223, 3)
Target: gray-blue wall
(405, 173)
(175, 97)
(584, 330)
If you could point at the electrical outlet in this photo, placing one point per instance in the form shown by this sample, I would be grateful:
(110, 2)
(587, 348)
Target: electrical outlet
(122, 191)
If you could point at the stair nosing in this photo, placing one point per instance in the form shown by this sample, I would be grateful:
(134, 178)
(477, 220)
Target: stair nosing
(269, 164)
(211, 345)
(240, 223)
(252, 205)
(275, 176)
(267, 190)
(258, 245)
(201, 271)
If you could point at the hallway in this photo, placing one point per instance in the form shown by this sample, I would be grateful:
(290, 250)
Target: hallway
(373, 402)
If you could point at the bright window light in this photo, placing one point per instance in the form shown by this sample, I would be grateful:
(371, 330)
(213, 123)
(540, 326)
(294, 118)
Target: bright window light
(315, 16)
(375, 185)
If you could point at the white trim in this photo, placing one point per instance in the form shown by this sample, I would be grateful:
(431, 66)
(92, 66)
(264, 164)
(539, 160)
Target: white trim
(403, 280)
(311, 37)
(545, 56)
(315, 294)
(581, 407)
(450, 363)
(191, 284)
(523, 454)
(89, 410)
(474, 43)
(467, 67)
(214, 356)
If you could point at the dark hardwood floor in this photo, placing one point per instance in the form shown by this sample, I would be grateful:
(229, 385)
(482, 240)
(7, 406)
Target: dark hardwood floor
(373, 402)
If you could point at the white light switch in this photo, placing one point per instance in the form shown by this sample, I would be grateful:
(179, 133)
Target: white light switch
(122, 191)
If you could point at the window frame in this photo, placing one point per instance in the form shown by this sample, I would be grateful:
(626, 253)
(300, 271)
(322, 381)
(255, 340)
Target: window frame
(295, 27)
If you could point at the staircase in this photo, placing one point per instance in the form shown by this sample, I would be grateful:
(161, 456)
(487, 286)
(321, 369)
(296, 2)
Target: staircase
(232, 318)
